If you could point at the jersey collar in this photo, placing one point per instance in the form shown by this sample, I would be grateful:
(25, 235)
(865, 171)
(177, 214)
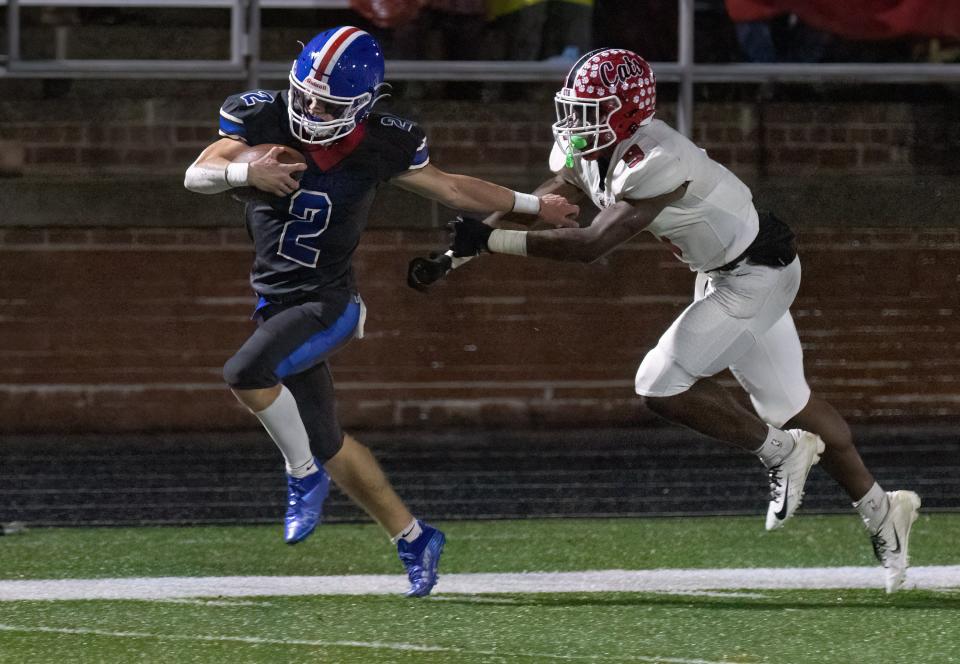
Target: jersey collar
(328, 156)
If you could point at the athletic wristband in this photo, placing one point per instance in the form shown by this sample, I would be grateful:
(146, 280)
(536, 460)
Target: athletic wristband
(507, 242)
(237, 174)
(525, 203)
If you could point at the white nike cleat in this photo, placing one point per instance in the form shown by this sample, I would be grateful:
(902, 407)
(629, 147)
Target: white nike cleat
(890, 542)
(788, 477)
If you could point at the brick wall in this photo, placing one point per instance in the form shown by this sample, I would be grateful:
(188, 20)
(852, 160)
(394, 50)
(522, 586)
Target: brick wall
(123, 330)
(766, 139)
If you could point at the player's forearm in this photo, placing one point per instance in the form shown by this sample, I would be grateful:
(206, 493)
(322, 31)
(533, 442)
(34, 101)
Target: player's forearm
(476, 195)
(214, 170)
(214, 174)
(562, 244)
(611, 228)
(554, 185)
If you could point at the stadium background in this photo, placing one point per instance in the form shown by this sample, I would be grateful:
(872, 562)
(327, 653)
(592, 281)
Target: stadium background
(505, 392)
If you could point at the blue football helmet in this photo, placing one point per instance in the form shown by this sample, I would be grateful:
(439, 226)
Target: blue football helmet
(334, 83)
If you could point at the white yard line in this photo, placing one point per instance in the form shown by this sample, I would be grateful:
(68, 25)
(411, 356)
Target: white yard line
(658, 580)
(208, 602)
(376, 645)
(238, 639)
(480, 599)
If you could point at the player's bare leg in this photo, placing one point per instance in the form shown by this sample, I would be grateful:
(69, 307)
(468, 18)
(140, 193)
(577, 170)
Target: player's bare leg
(840, 458)
(353, 468)
(888, 516)
(419, 545)
(709, 409)
(357, 473)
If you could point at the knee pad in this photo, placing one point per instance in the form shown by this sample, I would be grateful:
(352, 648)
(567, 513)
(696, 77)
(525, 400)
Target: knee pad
(323, 428)
(325, 447)
(660, 375)
(313, 390)
(242, 372)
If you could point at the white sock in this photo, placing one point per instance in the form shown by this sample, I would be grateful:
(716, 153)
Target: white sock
(776, 447)
(308, 468)
(873, 508)
(410, 533)
(282, 421)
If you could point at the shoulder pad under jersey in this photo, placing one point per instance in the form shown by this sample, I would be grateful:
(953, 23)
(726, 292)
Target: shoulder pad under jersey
(242, 112)
(655, 174)
(402, 142)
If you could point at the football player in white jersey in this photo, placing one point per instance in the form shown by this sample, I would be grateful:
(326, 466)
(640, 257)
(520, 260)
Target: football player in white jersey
(643, 175)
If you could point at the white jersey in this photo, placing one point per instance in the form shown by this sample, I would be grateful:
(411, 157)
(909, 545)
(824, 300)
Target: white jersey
(711, 225)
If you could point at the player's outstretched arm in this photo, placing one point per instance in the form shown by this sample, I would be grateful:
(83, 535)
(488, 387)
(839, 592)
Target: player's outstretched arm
(611, 228)
(215, 171)
(555, 187)
(463, 192)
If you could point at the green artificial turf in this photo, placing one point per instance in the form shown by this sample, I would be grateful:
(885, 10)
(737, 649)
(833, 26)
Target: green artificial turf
(775, 626)
(792, 627)
(477, 546)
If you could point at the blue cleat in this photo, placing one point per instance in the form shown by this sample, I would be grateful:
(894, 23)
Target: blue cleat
(305, 496)
(421, 558)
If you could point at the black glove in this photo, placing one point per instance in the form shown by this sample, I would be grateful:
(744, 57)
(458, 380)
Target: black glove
(468, 237)
(421, 272)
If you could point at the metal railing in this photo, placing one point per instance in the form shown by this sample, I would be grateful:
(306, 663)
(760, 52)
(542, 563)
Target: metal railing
(245, 62)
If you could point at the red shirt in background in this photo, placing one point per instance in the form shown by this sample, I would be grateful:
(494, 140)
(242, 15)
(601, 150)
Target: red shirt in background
(860, 19)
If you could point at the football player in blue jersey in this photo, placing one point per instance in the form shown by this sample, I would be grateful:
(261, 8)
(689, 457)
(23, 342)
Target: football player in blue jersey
(304, 237)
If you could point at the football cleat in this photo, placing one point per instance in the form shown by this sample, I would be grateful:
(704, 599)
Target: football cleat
(421, 558)
(788, 477)
(305, 496)
(890, 541)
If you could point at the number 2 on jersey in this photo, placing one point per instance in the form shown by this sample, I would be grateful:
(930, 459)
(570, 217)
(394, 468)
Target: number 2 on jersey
(300, 239)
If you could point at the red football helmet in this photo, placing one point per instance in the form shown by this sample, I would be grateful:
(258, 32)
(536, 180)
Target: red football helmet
(607, 95)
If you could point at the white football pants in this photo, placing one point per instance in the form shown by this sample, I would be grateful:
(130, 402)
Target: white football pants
(738, 320)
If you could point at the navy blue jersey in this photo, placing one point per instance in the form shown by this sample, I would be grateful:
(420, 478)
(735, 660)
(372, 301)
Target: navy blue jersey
(304, 242)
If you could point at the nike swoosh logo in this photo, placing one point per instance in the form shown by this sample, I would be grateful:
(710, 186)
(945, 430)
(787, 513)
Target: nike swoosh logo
(897, 537)
(782, 514)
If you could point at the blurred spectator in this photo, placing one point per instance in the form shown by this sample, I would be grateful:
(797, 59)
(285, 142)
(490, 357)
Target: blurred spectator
(936, 50)
(767, 32)
(443, 30)
(861, 20)
(430, 30)
(387, 13)
(650, 32)
(783, 38)
(539, 29)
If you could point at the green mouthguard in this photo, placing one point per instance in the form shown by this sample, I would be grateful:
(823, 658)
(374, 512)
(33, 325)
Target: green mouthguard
(576, 143)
